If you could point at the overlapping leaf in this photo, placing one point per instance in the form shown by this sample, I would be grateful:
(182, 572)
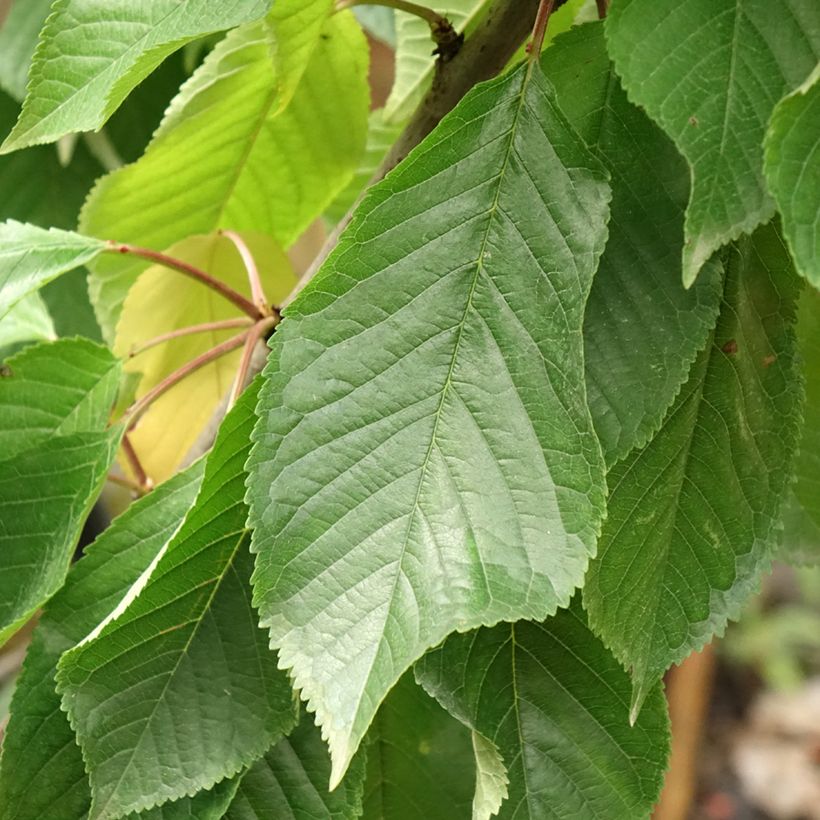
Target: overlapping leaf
(162, 301)
(229, 155)
(18, 38)
(87, 62)
(793, 172)
(555, 704)
(31, 256)
(691, 516)
(185, 652)
(54, 402)
(38, 737)
(710, 72)
(420, 761)
(642, 329)
(290, 782)
(27, 321)
(424, 459)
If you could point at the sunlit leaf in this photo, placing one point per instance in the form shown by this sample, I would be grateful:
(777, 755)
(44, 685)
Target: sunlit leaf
(162, 301)
(87, 62)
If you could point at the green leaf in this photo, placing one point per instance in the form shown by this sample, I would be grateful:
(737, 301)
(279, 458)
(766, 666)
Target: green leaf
(691, 516)
(555, 704)
(89, 57)
(420, 762)
(54, 401)
(46, 494)
(424, 459)
(31, 256)
(184, 650)
(227, 155)
(793, 172)
(204, 805)
(710, 72)
(18, 38)
(492, 782)
(38, 736)
(642, 329)
(415, 60)
(27, 321)
(56, 389)
(807, 468)
(290, 783)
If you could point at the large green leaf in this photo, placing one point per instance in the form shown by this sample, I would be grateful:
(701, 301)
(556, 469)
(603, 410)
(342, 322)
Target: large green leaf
(18, 38)
(710, 72)
(31, 256)
(90, 55)
(420, 761)
(691, 516)
(642, 329)
(807, 485)
(555, 704)
(229, 155)
(54, 402)
(38, 737)
(290, 783)
(425, 459)
(186, 651)
(793, 172)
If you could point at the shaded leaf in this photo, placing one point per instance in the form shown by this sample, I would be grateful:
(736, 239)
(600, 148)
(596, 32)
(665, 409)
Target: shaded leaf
(710, 74)
(420, 761)
(183, 651)
(424, 459)
(793, 172)
(642, 329)
(18, 38)
(162, 301)
(691, 516)
(38, 736)
(290, 782)
(227, 156)
(31, 256)
(555, 704)
(90, 56)
(27, 321)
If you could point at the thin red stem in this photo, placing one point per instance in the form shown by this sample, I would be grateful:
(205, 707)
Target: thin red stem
(122, 481)
(540, 28)
(257, 292)
(138, 407)
(426, 13)
(254, 335)
(143, 482)
(603, 6)
(245, 305)
(224, 324)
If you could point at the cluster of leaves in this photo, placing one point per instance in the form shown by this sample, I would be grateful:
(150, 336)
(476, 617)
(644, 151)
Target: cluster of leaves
(530, 435)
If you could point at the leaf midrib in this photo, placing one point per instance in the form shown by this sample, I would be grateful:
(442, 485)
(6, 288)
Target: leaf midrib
(445, 388)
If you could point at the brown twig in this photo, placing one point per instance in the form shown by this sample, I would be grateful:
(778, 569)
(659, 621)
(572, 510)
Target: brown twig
(134, 412)
(603, 7)
(540, 28)
(257, 292)
(206, 279)
(224, 324)
(258, 331)
(144, 483)
(122, 481)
